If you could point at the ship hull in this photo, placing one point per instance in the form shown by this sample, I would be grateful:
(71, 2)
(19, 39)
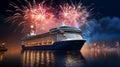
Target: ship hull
(61, 45)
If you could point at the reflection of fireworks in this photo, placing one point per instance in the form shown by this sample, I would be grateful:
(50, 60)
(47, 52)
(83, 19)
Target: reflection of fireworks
(41, 18)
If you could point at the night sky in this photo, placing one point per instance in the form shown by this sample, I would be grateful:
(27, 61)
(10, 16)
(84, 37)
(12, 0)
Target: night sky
(101, 8)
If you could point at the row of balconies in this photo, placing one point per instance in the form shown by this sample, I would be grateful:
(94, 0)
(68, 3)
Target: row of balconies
(40, 43)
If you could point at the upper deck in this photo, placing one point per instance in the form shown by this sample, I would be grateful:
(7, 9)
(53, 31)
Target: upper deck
(54, 31)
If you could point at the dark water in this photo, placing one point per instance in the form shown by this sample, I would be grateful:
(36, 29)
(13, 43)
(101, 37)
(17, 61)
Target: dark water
(34, 58)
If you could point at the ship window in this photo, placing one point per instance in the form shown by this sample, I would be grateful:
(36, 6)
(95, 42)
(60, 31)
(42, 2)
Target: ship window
(39, 43)
(73, 36)
(45, 43)
(64, 34)
(49, 42)
(27, 44)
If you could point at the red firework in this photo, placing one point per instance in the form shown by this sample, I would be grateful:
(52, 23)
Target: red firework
(73, 15)
(41, 18)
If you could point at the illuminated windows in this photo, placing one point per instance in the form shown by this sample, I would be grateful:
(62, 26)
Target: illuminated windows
(40, 43)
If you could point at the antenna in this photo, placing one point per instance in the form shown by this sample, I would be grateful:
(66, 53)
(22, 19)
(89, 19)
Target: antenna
(63, 24)
(32, 30)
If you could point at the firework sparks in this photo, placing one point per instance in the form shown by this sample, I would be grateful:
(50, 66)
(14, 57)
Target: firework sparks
(40, 18)
(73, 15)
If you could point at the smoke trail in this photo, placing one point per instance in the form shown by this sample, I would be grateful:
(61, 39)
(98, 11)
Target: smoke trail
(103, 29)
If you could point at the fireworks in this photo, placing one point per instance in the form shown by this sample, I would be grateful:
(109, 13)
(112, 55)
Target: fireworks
(73, 15)
(40, 18)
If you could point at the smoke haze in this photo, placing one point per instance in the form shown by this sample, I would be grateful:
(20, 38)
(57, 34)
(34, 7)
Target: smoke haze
(103, 29)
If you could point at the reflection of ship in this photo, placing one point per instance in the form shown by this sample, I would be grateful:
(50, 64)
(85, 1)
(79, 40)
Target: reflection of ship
(2, 47)
(61, 38)
(51, 59)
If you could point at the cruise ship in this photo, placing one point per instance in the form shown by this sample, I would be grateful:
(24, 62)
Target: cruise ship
(60, 38)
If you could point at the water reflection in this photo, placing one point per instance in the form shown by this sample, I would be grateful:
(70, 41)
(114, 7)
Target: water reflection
(52, 59)
(37, 58)
(1, 56)
(101, 53)
(74, 59)
(102, 58)
(93, 58)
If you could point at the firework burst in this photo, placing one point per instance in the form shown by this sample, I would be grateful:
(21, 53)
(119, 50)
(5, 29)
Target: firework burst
(40, 18)
(73, 15)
